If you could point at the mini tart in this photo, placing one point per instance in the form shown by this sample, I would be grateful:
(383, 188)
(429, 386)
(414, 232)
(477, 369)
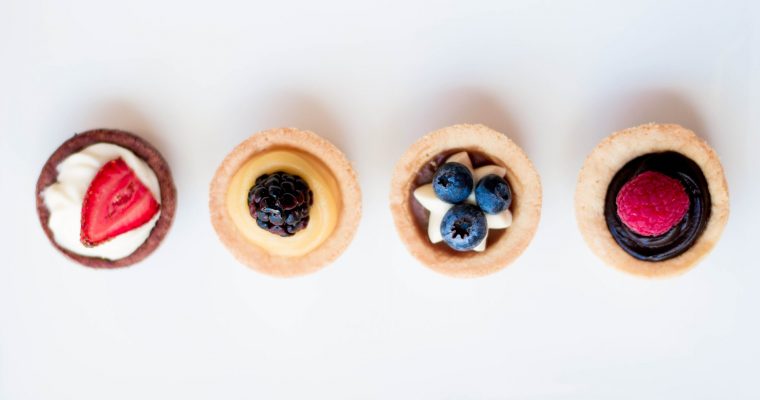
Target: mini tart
(503, 247)
(615, 152)
(141, 149)
(237, 229)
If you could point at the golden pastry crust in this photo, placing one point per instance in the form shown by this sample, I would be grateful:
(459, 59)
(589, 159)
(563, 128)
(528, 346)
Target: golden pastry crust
(526, 205)
(349, 211)
(609, 157)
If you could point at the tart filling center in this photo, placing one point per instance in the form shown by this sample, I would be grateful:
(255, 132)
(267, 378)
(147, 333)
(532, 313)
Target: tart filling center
(464, 202)
(104, 203)
(657, 206)
(259, 205)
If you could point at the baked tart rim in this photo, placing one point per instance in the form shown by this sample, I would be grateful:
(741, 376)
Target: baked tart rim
(303, 141)
(526, 208)
(614, 152)
(143, 150)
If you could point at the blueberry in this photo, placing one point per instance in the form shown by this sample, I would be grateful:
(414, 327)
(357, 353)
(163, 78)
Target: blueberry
(464, 227)
(493, 194)
(452, 182)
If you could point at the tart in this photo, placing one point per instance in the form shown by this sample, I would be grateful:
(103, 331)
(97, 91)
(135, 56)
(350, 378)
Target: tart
(106, 198)
(466, 200)
(285, 202)
(652, 200)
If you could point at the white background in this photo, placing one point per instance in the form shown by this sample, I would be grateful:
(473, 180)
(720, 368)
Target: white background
(196, 79)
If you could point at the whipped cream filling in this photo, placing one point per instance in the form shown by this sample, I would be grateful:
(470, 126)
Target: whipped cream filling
(65, 197)
(438, 208)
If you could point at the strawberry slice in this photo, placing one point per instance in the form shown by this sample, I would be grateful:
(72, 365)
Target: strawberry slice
(116, 202)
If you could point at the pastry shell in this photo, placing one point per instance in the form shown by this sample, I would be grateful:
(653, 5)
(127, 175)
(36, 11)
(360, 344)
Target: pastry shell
(609, 157)
(526, 206)
(256, 257)
(140, 148)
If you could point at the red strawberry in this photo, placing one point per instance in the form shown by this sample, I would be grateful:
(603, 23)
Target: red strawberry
(116, 202)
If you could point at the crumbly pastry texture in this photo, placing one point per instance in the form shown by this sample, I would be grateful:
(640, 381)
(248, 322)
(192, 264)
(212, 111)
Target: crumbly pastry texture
(308, 143)
(609, 157)
(140, 148)
(526, 205)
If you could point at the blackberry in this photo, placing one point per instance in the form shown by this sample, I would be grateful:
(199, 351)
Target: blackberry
(279, 202)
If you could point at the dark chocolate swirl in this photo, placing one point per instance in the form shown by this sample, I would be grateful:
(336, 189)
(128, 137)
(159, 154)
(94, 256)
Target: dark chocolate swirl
(681, 236)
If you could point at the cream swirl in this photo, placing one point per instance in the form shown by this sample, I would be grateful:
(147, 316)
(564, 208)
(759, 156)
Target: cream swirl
(64, 200)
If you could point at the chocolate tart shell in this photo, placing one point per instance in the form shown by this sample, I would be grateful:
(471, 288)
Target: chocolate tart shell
(143, 150)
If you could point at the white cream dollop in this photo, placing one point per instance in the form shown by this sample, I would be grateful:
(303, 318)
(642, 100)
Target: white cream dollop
(64, 200)
(438, 208)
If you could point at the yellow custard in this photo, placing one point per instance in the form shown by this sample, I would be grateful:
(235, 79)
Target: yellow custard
(323, 214)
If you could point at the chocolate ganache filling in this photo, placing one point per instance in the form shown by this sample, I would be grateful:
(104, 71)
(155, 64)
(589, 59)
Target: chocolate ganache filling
(682, 235)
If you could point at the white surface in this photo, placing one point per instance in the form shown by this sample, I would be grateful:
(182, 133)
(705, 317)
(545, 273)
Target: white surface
(196, 79)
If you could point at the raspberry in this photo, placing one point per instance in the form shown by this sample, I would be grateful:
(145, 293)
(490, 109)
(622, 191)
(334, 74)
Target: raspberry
(652, 203)
(280, 203)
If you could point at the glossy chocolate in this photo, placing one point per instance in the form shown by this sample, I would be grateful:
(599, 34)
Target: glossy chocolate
(683, 235)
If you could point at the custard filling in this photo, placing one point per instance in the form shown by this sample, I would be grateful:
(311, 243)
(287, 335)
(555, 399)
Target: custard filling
(323, 214)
